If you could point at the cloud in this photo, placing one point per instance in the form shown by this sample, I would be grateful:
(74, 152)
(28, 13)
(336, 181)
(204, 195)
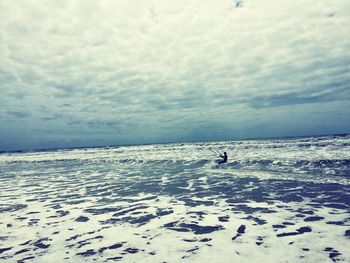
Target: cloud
(336, 93)
(18, 114)
(158, 70)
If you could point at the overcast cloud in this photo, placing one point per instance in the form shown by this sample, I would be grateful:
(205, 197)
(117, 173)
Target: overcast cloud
(102, 72)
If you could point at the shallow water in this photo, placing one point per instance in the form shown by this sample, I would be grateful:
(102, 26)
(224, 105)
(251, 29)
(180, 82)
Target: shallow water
(283, 200)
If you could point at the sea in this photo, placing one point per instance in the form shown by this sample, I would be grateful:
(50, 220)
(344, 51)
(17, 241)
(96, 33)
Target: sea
(275, 200)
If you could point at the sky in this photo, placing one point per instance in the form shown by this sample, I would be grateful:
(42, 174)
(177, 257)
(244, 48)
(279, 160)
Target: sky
(77, 73)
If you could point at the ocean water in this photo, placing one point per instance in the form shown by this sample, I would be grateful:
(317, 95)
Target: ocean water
(278, 200)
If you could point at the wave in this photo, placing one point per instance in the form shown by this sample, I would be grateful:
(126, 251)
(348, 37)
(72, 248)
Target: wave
(297, 163)
(336, 167)
(328, 155)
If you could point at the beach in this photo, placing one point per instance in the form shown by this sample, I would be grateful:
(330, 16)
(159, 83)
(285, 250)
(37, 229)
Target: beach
(276, 200)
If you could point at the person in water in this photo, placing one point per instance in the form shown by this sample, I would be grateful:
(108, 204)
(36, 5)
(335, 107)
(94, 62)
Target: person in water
(224, 158)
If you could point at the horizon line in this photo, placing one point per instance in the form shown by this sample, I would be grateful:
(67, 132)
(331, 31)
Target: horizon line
(169, 142)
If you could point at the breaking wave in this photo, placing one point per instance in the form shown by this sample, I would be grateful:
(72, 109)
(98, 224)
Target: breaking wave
(327, 156)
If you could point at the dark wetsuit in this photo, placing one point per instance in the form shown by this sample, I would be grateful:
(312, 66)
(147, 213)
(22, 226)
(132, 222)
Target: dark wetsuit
(224, 158)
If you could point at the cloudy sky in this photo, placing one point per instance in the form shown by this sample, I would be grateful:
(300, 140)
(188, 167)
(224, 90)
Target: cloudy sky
(104, 72)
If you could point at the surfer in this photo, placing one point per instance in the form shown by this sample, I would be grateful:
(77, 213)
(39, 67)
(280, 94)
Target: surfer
(224, 158)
